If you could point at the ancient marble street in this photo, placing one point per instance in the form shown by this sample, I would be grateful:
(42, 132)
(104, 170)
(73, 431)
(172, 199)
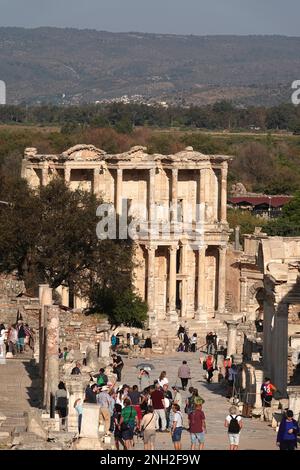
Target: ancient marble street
(18, 378)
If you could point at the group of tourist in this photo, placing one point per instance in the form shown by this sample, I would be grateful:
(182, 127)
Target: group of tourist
(17, 337)
(133, 342)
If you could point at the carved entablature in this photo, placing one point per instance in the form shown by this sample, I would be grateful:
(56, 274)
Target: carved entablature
(83, 152)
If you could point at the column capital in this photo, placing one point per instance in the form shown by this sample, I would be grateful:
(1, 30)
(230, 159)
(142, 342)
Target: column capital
(175, 172)
(232, 324)
(173, 248)
(222, 248)
(119, 171)
(201, 247)
(151, 247)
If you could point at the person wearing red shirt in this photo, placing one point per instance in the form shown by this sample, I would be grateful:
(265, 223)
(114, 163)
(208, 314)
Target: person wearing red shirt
(209, 367)
(197, 426)
(158, 404)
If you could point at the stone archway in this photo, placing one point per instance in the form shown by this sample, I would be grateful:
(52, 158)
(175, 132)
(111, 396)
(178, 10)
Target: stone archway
(256, 296)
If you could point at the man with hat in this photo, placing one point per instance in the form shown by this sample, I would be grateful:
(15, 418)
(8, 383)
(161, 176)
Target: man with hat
(104, 401)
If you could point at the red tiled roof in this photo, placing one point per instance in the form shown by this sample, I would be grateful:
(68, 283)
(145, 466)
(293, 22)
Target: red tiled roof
(272, 201)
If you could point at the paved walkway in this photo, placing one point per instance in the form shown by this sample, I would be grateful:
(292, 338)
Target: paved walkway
(256, 435)
(19, 390)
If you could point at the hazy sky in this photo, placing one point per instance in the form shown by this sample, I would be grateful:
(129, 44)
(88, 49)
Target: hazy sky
(160, 16)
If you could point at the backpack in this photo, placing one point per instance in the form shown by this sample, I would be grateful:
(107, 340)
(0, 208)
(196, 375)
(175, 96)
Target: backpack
(234, 427)
(204, 365)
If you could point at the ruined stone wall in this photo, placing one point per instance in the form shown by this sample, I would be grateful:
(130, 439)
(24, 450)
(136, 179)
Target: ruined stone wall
(77, 330)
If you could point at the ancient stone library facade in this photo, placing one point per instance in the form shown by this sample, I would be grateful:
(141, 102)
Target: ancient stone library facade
(179, 204)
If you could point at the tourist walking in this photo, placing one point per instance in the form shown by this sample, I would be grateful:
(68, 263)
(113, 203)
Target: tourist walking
(234, 424)
(148, 429)
(91, 393)
(177, 427)
(61, 404)
(148, 348)
(76, 370)
(144, 379)
(104, 400)
(128, 423)
(113, 342)
(190, 401)
(136, 343)
(177, 397)
(209, 367)
(117, 415)
(101, 377)
(184, 374)
(197, 425)
(79, 410)
(288, 432)
(158, 404)
(163, 379)
(267, 391)
(168, 403)
(193, 342)
(21, 336)
(117, 365)
(12, 338)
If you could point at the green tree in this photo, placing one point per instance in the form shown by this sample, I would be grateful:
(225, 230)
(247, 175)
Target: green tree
(120, 306)
(288, 224)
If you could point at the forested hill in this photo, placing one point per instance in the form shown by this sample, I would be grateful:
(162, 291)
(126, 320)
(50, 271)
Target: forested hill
(73, 66)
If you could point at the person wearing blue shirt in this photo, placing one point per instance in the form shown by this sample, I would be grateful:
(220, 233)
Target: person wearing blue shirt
(288, 432)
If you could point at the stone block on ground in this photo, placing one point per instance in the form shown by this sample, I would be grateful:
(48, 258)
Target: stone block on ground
(90, 421)
(34, 424)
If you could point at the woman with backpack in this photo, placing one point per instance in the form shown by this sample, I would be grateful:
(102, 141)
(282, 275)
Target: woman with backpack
(234, 424)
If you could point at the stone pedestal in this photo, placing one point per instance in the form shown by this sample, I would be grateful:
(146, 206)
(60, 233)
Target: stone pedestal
(231, 336)
(104, 350)
(76, 389)
(90, 421)
(294, 400)
(2, 352)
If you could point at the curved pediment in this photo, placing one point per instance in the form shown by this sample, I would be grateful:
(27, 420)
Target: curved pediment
(83, 152)
(189, 154)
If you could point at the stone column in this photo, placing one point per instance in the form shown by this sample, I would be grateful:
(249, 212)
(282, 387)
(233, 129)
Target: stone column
(172, 282)
(243, 296)
(201, 213)
(279, 359)
(151, 197)
(45, 177)
(201, 282)
(118, 191)
(96, 180)
(174, 184)
(67, 175)
(45, 298)
(221, 279)
(259, 377)
(208, 203)
(151, 281)
(184, 284)
(52, 361)
(224, 171)
(231, 336)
